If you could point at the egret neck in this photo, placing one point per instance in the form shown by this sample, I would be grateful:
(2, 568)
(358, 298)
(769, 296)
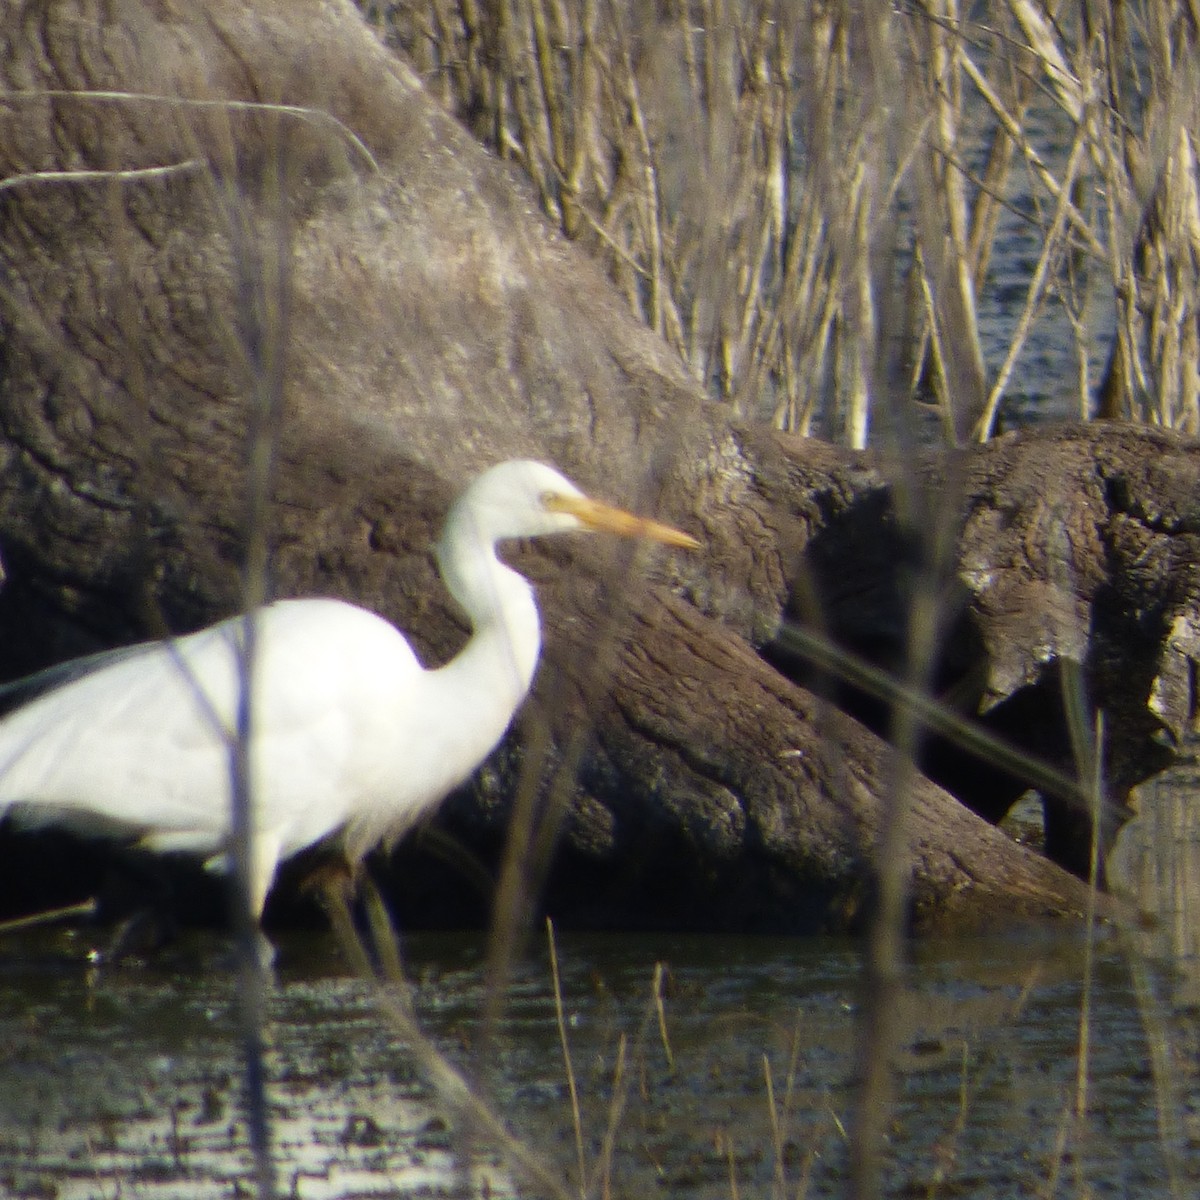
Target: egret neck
(505, 639)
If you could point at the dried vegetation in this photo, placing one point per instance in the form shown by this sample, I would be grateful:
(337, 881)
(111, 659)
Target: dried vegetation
(809, 201)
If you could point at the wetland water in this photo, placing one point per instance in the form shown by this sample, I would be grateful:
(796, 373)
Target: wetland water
(127, 1084)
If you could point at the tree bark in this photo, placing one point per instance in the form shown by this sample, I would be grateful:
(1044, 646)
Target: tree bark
(423, 322)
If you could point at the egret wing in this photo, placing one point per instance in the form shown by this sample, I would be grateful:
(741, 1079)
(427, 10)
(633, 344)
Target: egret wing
(139, 743)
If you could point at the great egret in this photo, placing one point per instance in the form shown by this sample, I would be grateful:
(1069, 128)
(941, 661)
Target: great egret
(353, 741)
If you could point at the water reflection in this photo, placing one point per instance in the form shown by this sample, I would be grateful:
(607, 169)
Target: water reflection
(1156, 863)
(128, 1083)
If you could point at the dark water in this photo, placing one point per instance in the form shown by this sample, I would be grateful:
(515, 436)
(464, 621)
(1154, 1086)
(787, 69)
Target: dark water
(128, 1083)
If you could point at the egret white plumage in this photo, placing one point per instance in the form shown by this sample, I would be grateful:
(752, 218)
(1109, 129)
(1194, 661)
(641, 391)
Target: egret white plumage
(353, 740)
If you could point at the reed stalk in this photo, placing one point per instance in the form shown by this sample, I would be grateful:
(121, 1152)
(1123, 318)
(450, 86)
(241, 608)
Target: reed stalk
(721, 159)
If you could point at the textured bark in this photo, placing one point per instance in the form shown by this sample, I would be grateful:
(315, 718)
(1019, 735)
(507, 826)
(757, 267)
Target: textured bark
(1072, 547)
(425, 323)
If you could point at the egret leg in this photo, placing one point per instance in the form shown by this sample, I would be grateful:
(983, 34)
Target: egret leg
(264, 861)
(139, 905)
(331, 872)
(140, 935)
(336, 885)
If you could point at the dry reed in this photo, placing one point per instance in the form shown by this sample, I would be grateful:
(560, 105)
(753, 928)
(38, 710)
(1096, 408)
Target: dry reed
(809, 201)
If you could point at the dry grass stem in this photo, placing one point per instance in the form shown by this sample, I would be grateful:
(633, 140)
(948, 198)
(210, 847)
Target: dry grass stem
(314, 116)
(51, 916)
(730, 163)
(564, 1041)
(393, 998)
(661, 1012)
(1052, 252)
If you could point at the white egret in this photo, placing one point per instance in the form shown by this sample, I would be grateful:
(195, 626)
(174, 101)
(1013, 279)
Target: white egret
(352, 739)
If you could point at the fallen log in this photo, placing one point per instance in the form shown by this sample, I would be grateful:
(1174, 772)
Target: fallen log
(252, 227)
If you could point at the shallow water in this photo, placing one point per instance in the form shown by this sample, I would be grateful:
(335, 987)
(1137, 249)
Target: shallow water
(128, 1083)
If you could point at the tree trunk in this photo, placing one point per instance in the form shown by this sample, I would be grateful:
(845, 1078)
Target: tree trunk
(354, 277)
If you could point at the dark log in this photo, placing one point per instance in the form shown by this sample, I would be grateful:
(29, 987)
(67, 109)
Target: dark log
(1073, 567)
(423, 322)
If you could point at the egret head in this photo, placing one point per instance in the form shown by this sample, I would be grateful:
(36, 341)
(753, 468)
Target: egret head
(521, 499)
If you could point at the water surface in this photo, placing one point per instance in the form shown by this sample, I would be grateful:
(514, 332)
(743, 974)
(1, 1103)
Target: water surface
(127, 1083)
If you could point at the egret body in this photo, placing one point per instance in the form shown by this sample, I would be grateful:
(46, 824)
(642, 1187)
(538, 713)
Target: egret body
(352, 742)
